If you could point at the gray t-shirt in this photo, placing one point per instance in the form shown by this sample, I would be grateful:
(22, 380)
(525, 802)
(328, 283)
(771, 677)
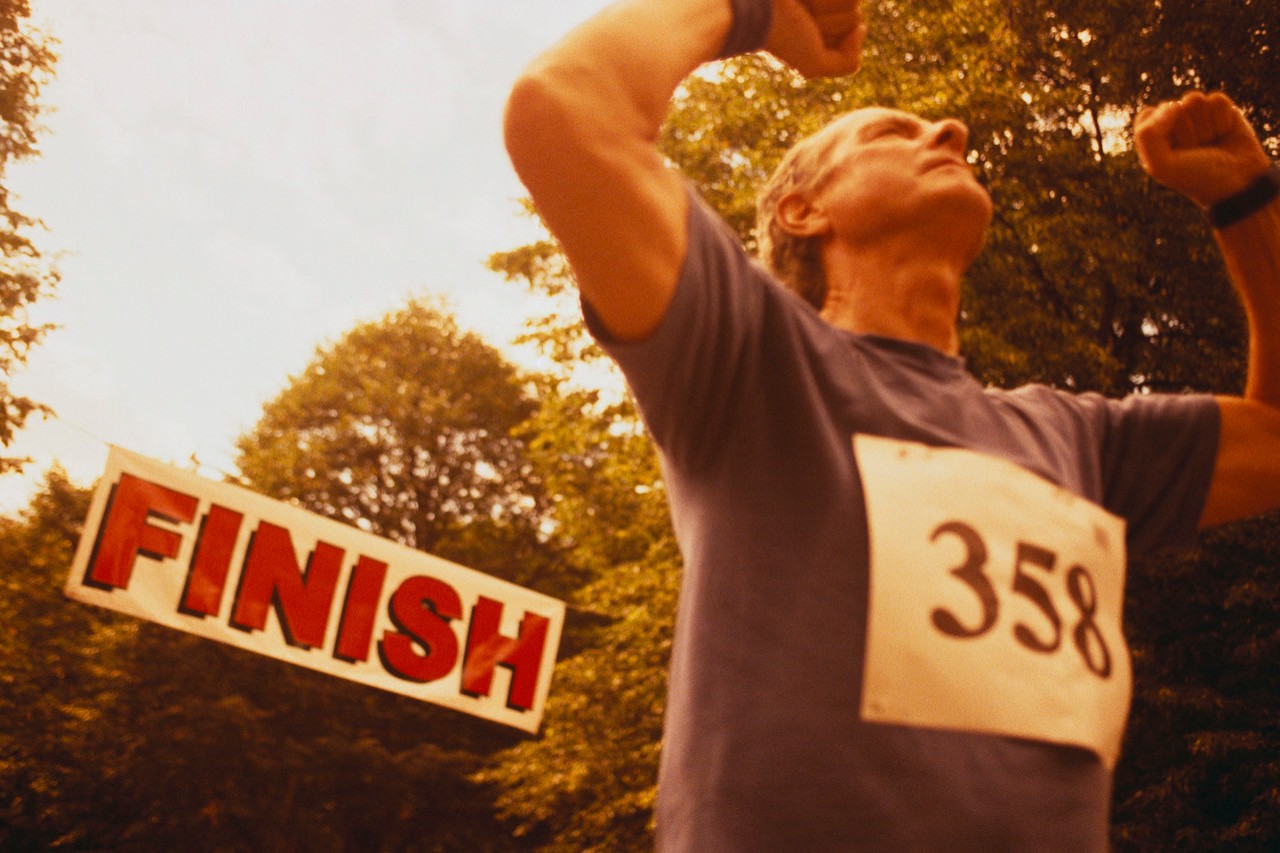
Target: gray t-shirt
(752, 399)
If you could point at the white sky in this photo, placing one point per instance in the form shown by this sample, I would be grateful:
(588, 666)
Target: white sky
(234, 182)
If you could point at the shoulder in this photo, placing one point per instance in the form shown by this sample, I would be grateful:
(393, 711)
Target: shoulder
(722, 293)
(1111, 412)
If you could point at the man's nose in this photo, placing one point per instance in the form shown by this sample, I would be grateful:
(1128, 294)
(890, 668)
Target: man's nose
(951, 133)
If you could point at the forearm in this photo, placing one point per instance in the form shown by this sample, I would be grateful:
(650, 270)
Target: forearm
(1251, 249)
(610, 81)
(581, 128)
(1247, 473)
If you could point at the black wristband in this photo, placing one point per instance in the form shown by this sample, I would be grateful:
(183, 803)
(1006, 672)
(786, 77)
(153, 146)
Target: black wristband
(750, 29)
(1248, 201)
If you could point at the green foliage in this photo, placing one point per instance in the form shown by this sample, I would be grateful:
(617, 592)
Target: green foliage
(223, 749)
(26, 63)
(59, 671)
(405, 428)
(1201, 765)
(589, 781)
(121, 733)
(413, 430)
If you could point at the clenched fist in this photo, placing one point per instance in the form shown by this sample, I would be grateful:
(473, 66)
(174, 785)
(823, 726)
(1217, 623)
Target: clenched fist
(818, 38)
(836, 19)
(1200, 145)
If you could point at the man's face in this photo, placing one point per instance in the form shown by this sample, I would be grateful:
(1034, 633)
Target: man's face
(888, 170)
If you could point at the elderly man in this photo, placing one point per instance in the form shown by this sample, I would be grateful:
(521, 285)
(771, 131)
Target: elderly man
(900, 621)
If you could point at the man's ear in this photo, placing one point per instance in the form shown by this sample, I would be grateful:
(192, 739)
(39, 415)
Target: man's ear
(800, 217)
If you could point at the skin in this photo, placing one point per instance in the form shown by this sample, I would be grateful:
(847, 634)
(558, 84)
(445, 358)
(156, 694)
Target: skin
(900, 218)
(899, 224)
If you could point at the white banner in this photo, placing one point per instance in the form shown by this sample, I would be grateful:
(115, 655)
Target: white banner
(225, 563)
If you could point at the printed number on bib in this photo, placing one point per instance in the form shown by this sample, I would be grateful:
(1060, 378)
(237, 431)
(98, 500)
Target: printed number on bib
(1030, 560)
(995, 600)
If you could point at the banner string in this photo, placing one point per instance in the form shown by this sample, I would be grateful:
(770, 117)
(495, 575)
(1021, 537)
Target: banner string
(85, 431)
(196, 464)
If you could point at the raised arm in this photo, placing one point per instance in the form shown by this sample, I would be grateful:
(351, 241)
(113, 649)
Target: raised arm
(1203, 147)
(582, 124)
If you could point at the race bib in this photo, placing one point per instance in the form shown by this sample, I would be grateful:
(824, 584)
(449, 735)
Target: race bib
(995, 600)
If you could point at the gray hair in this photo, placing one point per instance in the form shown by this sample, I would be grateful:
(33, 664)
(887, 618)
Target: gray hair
(795, 260)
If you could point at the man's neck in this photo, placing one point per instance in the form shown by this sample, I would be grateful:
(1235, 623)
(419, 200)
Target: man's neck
(896, 294)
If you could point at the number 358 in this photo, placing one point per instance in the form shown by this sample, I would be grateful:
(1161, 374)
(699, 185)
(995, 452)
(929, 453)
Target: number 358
(1031, 564)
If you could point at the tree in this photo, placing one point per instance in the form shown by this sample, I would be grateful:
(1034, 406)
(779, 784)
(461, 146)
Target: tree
(121, 733)
(405, 428)
(1200, 768)
(26, 63)
(589, 781)
(59, 668)
(411, 429)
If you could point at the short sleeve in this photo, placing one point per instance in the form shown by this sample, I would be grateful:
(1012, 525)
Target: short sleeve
(1157, 461)
(686, 374)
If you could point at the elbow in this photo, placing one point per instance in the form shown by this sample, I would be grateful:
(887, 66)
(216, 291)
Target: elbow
(534, 124)
(562, 121)
(520, 117)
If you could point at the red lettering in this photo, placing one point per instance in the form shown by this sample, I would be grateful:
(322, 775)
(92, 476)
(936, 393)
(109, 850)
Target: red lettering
(271, 576)
(355, 633)
(486, 648)
(421, 608)
(125, 532)
(211, 561)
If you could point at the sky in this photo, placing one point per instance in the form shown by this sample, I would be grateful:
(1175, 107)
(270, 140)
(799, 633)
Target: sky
(229, 184)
